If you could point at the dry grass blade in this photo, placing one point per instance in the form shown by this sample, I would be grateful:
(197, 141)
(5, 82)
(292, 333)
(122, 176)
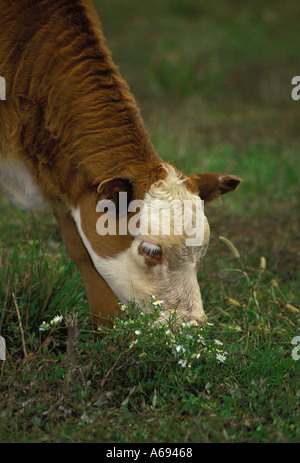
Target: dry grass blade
(71, 357)
(20, 325)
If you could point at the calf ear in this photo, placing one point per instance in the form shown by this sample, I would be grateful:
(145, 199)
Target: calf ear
(209, 186)
(110, 189)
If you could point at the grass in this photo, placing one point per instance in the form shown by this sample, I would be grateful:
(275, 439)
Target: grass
(213, 82)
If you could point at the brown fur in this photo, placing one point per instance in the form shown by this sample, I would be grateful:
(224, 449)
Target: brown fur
(71, 120)
(67, 106)
(210, 185)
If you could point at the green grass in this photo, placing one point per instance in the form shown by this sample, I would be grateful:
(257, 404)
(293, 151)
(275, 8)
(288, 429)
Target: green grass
(213, 81)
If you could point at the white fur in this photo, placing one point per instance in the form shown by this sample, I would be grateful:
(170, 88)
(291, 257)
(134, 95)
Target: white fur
(115, 270)
(18, 184)
(132, 280)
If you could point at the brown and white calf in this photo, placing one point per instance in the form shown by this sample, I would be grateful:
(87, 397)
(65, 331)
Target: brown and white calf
(71, 135)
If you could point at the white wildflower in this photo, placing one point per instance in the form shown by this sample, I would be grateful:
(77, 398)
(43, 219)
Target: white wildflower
(182, 363)
(133, 343)
(44, 326)
(180, 348)
(221, 357)
(57, 319)
(218, 342)
(157, 303)
(192, 323)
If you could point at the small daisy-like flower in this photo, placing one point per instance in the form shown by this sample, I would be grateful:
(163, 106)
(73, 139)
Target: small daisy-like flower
(209, 324)
(192, 323)
(57, 319)
(123, 307)
(182, 363)
(143, 354)
(218, 342)
(157, 303)
(133, 343)
(138, 332)
(221, 357)
(179, 348)
(44, 326)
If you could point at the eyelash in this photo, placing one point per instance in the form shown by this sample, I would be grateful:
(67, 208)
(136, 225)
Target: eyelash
(151, 250)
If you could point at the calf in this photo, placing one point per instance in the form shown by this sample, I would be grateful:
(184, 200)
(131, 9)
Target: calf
(71, 135)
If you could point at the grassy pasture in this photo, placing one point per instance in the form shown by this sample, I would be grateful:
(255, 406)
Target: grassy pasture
(213, 80)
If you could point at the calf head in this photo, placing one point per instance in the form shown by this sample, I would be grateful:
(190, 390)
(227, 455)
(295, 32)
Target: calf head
(154, 245)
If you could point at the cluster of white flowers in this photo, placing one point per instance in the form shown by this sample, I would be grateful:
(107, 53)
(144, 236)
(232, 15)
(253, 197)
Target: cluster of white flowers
(45, 326)
(180, 347)
(134, 342)
(153, 301)
(183, 363)
(220, 353)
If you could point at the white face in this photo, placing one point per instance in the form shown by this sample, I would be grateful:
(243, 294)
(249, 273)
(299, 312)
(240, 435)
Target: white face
(159, 263)
(167, 271)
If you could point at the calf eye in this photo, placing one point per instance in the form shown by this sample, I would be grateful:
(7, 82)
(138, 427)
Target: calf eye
(151, 250)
